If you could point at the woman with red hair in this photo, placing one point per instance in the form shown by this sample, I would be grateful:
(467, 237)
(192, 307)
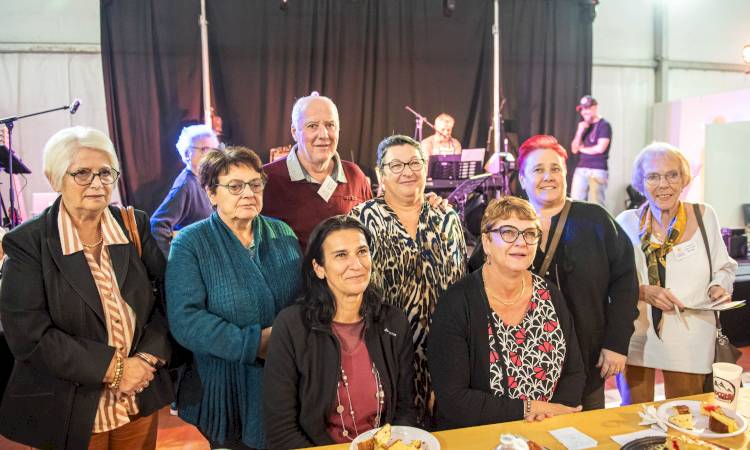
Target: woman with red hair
(588, 256)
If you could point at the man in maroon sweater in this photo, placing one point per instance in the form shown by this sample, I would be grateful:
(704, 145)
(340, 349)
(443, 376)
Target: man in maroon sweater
(313, 183)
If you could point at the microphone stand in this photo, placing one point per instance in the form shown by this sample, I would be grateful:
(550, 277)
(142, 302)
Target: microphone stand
(9, 122)
(420, 119)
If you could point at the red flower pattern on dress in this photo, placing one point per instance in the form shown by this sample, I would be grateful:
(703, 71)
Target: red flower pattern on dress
(530, 355)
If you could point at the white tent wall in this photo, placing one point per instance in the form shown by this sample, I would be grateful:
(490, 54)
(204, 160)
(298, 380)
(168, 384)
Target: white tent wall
(49, 54)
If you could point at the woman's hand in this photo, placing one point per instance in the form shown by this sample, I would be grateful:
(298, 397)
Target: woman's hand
(718, 295)
(544, 410)
(265, 335)
(658, 297)
(611, 363)
(136, 374)
(436, 201)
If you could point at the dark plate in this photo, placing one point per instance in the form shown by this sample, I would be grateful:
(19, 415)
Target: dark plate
(646, 443)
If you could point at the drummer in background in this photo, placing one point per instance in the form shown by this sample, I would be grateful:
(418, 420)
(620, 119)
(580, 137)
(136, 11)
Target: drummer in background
(442, 143)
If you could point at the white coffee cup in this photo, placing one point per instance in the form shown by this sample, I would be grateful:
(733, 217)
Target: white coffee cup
(726, 384)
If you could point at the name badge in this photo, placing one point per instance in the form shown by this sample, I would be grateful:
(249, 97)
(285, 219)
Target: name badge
(326, 189)
(685, 250)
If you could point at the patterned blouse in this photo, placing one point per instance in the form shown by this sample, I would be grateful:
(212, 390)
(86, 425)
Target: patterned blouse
(526, 360)
(113, 411)
(414, 272)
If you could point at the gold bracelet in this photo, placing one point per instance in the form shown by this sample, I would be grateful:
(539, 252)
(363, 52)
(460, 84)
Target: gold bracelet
(119, 368)
(146, 358)
(527, 407)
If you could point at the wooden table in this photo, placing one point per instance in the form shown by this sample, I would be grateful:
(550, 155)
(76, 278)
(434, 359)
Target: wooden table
(600, 425)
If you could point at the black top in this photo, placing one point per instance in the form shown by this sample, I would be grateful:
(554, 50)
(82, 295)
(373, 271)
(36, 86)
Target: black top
(302, 372)
(598, 130)
(594, 267)
(458, 353)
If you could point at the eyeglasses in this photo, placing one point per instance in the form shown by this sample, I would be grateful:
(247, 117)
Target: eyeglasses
(396, 166)
(238, 187)
(653, 179)
(85, 177)
(509, 234)
(207, 149)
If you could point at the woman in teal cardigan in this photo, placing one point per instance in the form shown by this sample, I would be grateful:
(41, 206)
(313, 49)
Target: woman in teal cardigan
(227, 278)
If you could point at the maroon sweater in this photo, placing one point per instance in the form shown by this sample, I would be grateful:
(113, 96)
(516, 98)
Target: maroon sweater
(298, 204)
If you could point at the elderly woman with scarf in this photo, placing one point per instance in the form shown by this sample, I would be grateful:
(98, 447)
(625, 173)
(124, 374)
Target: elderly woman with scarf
(682, 263)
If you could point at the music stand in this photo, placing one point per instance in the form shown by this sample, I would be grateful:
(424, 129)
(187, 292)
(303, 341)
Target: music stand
(452, 167)
(460, 195)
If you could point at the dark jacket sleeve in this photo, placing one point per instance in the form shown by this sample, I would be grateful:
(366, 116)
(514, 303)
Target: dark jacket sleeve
(155, 340)
(450, 364)
(167, 215)
(570, 386)
(281, 408)
(406, 413)
(623, 288)
(31, 334)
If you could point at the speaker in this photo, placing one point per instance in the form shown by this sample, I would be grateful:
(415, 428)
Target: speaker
(736, 242)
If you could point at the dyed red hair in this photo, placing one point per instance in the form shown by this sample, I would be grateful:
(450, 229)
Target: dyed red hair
(539, 142)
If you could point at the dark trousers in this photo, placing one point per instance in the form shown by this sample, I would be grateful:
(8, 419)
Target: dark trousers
(594, 399)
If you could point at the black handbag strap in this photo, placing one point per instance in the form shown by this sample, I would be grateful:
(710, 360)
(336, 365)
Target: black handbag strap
(702, 227)
(552, 247)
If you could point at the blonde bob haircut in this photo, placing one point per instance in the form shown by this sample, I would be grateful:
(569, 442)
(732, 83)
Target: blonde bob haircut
(506, 207)
(657, 149)
(62, 147)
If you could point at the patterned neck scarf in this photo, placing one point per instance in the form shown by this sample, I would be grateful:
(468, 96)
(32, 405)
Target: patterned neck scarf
(656, 253)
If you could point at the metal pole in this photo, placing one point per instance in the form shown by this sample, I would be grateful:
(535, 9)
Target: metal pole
(204, 65)
(496, 123)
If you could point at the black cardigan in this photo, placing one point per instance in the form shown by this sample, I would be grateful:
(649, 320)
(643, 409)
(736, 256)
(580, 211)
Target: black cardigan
(458, 354)
(594, 267)
(302, 372)
(54, 323)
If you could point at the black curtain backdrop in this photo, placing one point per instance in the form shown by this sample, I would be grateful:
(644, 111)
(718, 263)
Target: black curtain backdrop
(372, 57)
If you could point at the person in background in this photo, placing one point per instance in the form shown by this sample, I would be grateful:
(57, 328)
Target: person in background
(419, 250)
(313, 183)
(503, 346)
(592, 141)
(674, 271)
(442, 142)
(227, 278)
(79, 312)
(340, 361)
(592, 264)
(186, 201)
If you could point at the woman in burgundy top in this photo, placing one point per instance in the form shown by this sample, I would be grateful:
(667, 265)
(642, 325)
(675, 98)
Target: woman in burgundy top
(340, 362)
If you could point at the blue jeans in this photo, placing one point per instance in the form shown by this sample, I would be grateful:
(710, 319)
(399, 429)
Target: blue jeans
(589, 185)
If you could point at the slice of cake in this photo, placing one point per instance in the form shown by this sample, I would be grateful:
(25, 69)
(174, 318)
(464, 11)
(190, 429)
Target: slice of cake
(383, 435)
(399, 445)
(686, 443)
(682, 418)
(718, 422)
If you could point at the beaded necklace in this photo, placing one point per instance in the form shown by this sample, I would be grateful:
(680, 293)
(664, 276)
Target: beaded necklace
(379, 394)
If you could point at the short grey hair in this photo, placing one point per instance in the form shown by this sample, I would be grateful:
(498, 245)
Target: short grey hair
(301, 105)
(393, 141)
(445, 117)
(659, 149)
(61, 148)
(189, 135)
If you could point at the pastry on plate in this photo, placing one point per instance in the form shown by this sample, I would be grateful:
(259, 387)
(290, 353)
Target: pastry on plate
(682, 418)
(686, 443)
(718, 422)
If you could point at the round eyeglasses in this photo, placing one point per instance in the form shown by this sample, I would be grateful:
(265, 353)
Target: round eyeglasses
(509, 234)
(238, 187)
(85, 177)
(396, 166)
(653, 179)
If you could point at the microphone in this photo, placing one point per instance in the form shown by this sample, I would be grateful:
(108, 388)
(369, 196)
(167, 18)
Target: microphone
(73, 108)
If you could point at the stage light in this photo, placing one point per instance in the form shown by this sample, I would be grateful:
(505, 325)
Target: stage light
(746, 53)
(448, 7)
(283, 5)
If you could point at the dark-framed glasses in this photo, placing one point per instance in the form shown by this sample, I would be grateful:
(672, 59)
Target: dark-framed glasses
(236, 187)
(84, 177)
(509, 234)
(397, 166)
(653, 179)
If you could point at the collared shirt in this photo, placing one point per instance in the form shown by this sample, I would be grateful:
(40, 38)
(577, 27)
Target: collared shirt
(119, 317)
(298, 173)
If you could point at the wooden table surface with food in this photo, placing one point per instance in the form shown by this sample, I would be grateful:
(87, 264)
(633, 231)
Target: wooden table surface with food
(600, 425)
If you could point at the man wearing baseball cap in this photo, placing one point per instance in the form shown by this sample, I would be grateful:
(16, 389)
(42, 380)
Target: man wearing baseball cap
(591, 141)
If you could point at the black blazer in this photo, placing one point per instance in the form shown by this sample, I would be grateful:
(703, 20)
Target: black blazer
(54, 324)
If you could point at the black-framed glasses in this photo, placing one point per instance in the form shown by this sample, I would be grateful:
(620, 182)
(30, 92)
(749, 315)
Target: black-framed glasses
(653, 179)
(509, 234)
(236, 187)
(84, 177)
(397, 166)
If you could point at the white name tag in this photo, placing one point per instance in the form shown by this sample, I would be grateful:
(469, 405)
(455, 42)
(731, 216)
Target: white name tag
(685, 250)
(326, 189)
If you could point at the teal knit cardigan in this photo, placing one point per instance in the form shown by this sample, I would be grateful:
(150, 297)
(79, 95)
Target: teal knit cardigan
(220, 295)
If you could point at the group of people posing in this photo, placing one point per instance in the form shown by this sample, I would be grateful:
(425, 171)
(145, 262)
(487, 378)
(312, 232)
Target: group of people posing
(312, 312)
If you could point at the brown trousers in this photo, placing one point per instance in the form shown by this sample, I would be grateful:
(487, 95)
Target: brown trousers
(139, 434)
(640, 383)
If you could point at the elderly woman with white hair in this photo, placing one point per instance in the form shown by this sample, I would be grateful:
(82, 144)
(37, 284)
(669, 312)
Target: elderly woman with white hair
(88, 336)
(682, 263)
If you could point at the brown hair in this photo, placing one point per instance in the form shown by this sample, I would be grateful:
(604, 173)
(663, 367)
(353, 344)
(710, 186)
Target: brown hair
(505, 208)
(216, 163)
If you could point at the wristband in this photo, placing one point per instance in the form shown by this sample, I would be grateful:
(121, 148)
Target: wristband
(119, 366)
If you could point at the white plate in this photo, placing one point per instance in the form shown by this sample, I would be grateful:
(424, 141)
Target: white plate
(406, 434)
(700, 421)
